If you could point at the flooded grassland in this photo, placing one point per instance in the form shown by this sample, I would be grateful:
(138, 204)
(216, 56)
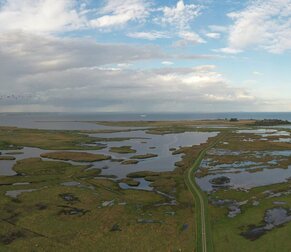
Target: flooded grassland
(247, 179)
(121, 188)
(107, 190)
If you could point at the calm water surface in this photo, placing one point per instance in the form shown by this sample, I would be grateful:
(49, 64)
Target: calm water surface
(143, 143)
(75, 121)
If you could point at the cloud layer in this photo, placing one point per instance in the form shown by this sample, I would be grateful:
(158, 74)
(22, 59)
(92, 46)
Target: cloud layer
(75, 74)
(133, 55)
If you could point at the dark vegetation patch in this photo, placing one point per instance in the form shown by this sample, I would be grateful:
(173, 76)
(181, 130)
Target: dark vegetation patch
(122, 149)
(142, 174)
(149, 221)
(220, 180)
(145, 156)
(130, 182)
(271, 122)
(67, 210)
(75, 156)
(11, 237)
(7, 158)
(184, 227)
(129, 162)
(14, 153)
(115, 228)
(41, 206)
(69, 197)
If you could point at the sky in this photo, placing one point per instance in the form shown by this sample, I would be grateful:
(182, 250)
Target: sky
(145, 55)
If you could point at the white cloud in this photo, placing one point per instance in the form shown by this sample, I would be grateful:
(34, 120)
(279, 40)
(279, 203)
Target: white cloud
(188, 37)
(52, 16)
(262, 24)
(257, 73)
(213, 35)
(191, 37)
(118, 13)
(218, 28)
(180, 15)
(228, 50)
(44, 16)
(153, 35)
(180, 18)
(167, 62)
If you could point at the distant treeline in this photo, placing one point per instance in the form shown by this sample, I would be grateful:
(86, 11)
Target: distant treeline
(270, 122)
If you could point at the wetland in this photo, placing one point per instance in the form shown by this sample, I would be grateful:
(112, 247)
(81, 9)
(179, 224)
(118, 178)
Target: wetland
(97, 189)
(103, 188)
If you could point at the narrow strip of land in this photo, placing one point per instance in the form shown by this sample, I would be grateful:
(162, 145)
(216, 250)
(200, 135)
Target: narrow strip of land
(203, 236)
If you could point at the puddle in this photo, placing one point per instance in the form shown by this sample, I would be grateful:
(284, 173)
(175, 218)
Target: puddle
(265, 132)
(284, 153)
(71, 183)
(279, 203)
(69, 197)
(234, 210)
(143, 185)
(232, 206)
(257, 131)
(239, 164)
(6, 168)
(148, 221)
(108, 203)
(273, 218)
(248, 140)
(185, 227)
(283, 140)
(21, 183)
(16, 193)
(224, 152)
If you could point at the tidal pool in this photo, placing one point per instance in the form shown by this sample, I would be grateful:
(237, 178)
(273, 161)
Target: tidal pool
(16, 193)
(143, 143)
(244, 174)
(247, 180)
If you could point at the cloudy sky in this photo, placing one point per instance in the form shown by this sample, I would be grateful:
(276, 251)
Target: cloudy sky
(145, 55)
